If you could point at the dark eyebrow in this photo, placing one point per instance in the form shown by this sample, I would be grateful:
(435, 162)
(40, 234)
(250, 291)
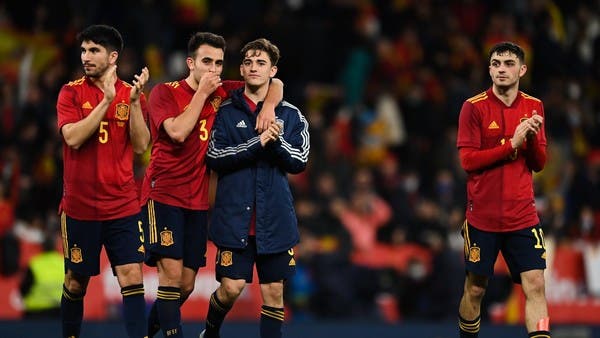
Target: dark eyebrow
(209, 59)
(257, 60)
(92, 49)
(505, 61)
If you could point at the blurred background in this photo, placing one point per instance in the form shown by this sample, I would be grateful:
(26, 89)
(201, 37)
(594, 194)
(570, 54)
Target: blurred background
(382, 200)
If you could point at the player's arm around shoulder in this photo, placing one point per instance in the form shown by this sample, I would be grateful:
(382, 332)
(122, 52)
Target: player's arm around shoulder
(266, 116)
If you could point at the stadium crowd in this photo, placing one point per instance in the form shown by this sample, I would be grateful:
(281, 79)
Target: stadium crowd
(381, 83)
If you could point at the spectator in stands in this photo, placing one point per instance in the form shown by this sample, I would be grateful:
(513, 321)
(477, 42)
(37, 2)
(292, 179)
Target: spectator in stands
(41, 284)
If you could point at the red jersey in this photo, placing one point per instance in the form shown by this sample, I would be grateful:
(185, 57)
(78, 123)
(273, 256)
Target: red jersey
(98, 177)
(177, 173)
(500, 188)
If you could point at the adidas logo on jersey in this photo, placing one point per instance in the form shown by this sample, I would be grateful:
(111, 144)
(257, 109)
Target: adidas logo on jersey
(493, 125)
(241, 124)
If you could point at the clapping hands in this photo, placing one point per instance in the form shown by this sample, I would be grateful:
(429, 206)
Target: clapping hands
(138, 84)
(527, 129)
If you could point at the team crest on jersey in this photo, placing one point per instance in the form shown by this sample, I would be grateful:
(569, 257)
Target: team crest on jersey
(166, 238)
(474, 254)
(215, 102)
(122, 111)
(76, 255)
(226, 258)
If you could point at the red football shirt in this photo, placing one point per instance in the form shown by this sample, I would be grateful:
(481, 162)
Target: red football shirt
(177, 173)
(98, 177)
(500, 195)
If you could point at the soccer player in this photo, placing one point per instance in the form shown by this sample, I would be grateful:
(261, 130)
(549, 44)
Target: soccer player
(102, 122)
(501, 141)
(253, 220)
(175, 194)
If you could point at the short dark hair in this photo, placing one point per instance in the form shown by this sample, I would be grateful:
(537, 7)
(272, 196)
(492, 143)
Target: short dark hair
(104, 35)
(507, 46)
(205, 38)
(264, 45)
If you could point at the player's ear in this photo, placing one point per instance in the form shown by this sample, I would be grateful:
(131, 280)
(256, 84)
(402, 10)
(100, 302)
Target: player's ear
(523, 70)
(112, 57)
(273, 71)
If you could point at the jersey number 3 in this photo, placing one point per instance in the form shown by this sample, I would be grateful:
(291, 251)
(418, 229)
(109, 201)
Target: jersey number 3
(202, 129)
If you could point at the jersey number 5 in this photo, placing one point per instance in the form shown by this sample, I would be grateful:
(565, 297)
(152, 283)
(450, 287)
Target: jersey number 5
(141, 230)
(103, 132)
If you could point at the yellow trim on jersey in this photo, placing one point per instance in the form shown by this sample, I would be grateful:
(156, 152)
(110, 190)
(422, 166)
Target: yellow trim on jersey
(529, 97)
(478, 97)
(173, 84)
(77, 82)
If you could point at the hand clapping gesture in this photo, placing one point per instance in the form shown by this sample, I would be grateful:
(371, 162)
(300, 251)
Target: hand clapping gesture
(138, 84)
(527, 129)
(271, 134)
(108, 83)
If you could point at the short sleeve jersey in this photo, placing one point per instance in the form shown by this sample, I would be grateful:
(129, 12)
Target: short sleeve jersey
(98, 177)
(500, 197)
(177, 173)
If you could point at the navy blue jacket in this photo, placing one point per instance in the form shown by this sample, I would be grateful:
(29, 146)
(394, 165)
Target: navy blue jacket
(253, 176)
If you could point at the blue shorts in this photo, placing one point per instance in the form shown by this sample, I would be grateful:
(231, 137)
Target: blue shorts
(523, 250)
(239, 264)
(122, 239)
(176, 233)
